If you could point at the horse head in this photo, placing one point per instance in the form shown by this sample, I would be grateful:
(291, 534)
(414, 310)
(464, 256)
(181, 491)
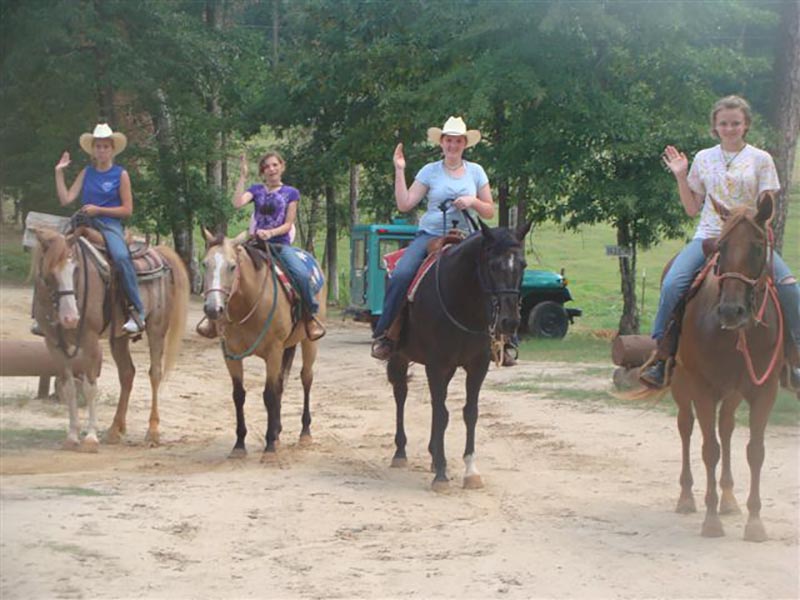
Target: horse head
(54, 267)
(742, 266)
(500, 270)
(220, 264)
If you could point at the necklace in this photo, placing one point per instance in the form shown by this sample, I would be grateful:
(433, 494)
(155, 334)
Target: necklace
(727, 158)
(449, 168)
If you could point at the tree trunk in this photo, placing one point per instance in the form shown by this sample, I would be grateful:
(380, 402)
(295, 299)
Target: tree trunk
(502, 202)
(785, 115)
(330, 244)
(629, 321)
(214, 166)
(355, 172)
(312, 223)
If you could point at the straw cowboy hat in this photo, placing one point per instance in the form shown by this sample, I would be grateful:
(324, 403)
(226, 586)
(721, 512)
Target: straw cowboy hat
(103, 132)
(454, 126)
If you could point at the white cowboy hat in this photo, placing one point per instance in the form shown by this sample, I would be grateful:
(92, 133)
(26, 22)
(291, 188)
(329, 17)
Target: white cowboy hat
(454, 126)
(103, 131)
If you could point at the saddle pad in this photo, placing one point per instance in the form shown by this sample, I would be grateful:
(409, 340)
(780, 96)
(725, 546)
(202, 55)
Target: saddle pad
(423, 270)
(312, 272)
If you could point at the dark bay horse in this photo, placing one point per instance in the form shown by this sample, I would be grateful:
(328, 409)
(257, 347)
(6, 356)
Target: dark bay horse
(74, 307)
(468, 297)
(254, 317)
(731, 347)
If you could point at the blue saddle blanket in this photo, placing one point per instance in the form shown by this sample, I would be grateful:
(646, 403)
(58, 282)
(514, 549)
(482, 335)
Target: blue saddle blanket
(313, 271)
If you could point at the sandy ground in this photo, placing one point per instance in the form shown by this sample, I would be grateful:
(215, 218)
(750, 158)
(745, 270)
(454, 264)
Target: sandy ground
(578, 498)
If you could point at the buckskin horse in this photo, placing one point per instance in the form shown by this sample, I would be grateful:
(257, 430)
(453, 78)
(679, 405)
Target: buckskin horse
(75, 305)
(467, 297)
(731, 347)
(254, 317)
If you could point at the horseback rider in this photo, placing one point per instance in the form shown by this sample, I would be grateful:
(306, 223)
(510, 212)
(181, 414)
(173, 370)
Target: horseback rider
(106, 199)
(439, 181)
(274, 214)
(735, 173)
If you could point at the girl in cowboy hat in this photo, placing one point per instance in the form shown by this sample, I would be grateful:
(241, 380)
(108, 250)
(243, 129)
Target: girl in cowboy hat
(106, 198)
(446, 179)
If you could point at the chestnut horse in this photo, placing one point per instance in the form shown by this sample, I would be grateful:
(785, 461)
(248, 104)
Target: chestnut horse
(254, 317)
(74, 305)
(464, 301)
(731, 347)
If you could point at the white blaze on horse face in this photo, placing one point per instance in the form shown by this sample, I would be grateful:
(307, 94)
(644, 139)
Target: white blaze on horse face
(68, 314)
(511, 261)
(215, 298)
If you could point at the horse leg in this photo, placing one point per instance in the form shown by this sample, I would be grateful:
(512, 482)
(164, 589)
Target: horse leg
(93, 358)
(156, 344)
(682, 395)
(437, 383)
(273, 390)
(68, 394)
(397, 373)
(476, 373)
(126, 371)
(727, 422)
(309, 350)
(236, 372)
(705, 406)
(760, 407)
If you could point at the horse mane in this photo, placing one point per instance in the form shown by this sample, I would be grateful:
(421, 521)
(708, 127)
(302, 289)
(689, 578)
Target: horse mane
(50, 255)
(258, 256)
(502, 239)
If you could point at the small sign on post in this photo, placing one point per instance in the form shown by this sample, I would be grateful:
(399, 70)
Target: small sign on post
(618, 252)
(513, 217)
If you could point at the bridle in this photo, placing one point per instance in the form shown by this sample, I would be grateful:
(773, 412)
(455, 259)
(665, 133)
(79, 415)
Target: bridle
(764, 280)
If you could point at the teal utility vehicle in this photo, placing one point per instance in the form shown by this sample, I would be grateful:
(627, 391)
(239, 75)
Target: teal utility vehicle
(543, 293)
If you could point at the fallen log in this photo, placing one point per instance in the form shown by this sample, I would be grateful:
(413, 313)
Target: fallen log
(30, 358)
(626, 379)
(631, 350)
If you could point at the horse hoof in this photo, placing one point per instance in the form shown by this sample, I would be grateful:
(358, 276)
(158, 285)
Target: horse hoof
(399, 462)
(89, 445)
(113, 437)
(306, 439)
(473, 482)
(440, 486)
(70, 444)
(754, 532)
(729, 507)
(712, 528)
(686, 506)
(238, 453)
(270, 457)
(152, 439)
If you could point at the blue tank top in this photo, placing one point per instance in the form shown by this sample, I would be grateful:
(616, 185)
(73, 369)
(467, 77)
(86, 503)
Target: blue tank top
(102, 189)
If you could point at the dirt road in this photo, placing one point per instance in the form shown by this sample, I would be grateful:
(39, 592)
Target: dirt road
(578, 498)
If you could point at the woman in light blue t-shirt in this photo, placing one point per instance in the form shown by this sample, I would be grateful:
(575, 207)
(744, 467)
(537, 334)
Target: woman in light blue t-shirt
(451, 178)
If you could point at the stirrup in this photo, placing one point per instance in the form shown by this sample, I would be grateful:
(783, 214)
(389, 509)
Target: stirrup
(133, 325)
(654, 375)
(382, 348)
(314, 329)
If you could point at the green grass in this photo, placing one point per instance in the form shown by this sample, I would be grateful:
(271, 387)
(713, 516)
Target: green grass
(16, 439)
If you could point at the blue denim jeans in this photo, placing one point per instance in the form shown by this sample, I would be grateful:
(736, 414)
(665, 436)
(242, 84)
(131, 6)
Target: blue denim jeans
(121, 257)
(299, 275)
(401, 278)
(686, 266)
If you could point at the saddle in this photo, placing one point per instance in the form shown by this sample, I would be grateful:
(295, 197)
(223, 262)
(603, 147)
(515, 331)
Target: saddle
(436, 248)
(147, 262)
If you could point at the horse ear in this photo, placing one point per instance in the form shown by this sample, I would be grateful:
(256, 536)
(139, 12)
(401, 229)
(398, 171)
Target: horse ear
(485, 229)
(210, 237)
(766, 205)
(522, 230)
(241, 238)
(722, 210)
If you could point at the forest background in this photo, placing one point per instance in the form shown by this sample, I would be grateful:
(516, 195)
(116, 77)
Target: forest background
(576, 101)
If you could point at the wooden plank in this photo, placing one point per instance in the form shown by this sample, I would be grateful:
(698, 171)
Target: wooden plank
(42, 221)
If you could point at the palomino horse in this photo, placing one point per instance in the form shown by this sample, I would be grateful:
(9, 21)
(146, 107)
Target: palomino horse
(254, 317)
(731, 347)
(73, 306)
(468, 297)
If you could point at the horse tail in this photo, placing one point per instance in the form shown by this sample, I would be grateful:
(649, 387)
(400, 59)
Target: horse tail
(179, 306)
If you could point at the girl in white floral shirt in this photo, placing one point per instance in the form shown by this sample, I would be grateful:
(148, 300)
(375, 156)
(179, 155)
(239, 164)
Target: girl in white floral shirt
(735, 174)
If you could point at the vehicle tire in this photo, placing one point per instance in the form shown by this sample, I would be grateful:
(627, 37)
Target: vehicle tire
(548, 319)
